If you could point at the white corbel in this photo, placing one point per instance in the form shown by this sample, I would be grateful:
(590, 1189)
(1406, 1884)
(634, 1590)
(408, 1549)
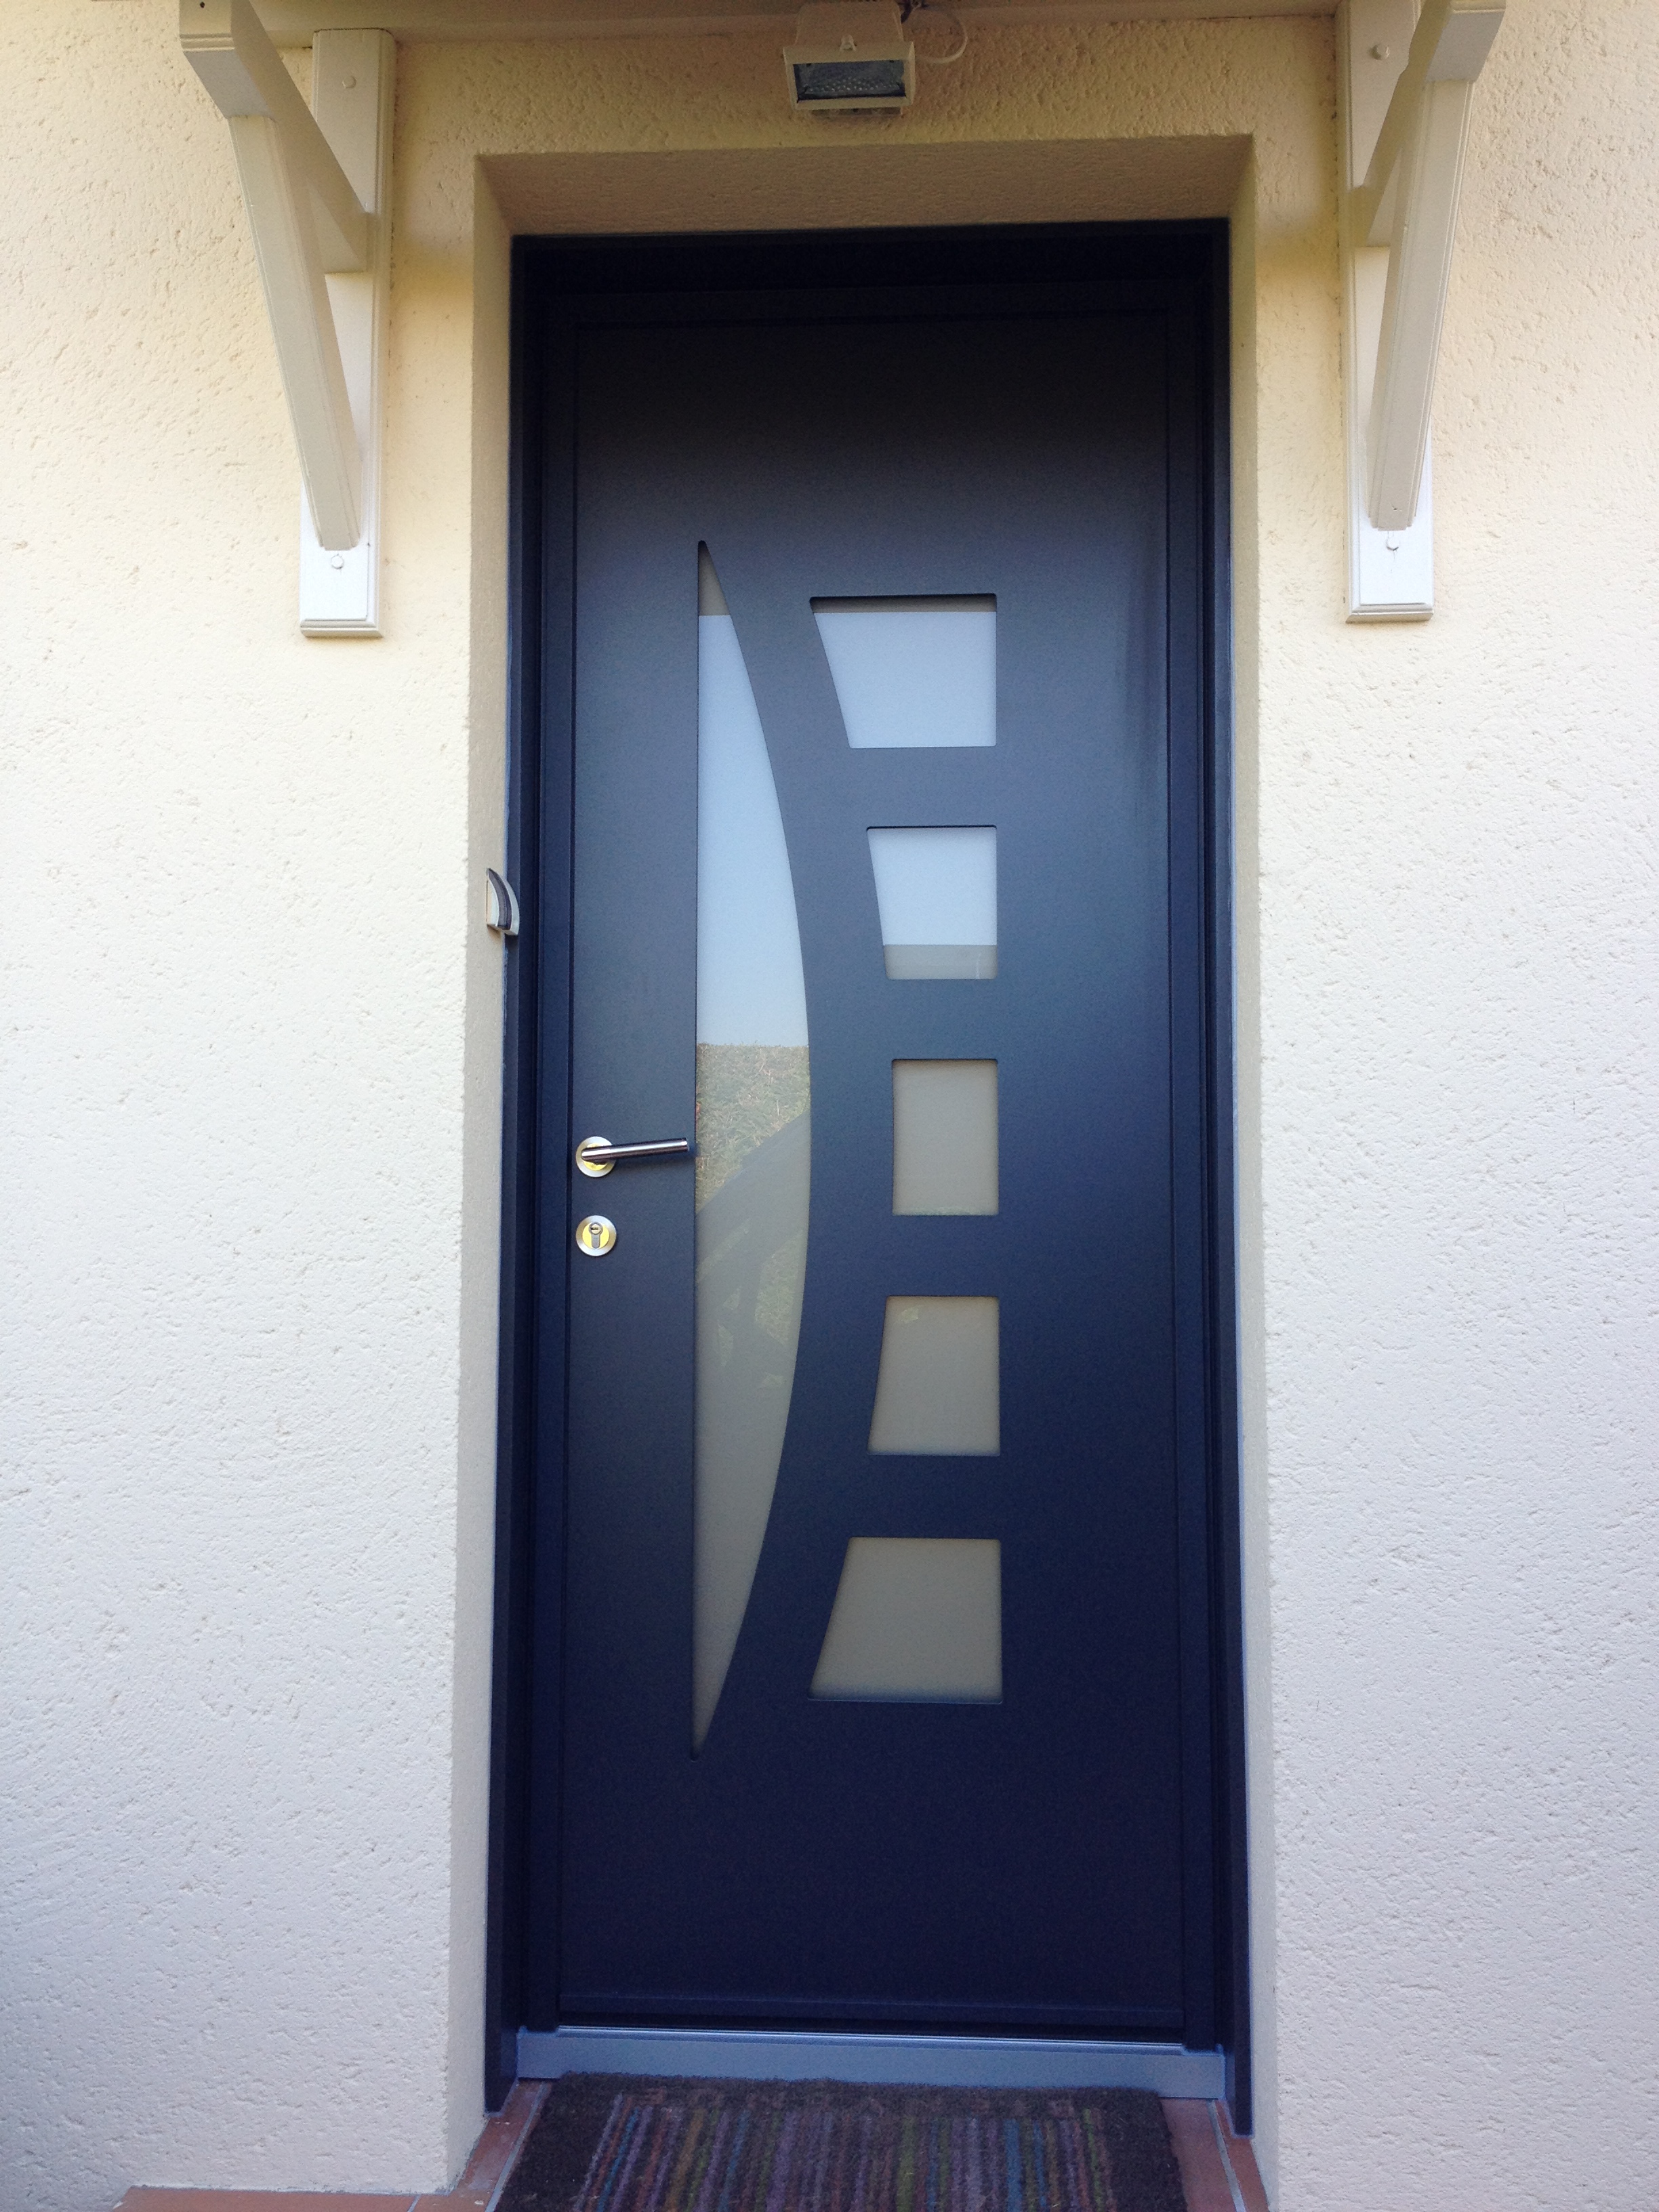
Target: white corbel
(1406, 82)
(317, 193)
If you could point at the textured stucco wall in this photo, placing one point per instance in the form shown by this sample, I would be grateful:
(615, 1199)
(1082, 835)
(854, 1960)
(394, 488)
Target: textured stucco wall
(1459, 1076)
(252, 1072)
(250, 1101)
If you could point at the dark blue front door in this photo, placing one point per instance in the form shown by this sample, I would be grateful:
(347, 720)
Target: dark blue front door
(885, 1665)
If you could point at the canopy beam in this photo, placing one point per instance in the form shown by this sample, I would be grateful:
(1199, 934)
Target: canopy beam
(317, 187)
(1406, 84)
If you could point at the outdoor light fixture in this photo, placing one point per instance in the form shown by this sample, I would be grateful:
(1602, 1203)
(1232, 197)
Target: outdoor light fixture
(850, 54)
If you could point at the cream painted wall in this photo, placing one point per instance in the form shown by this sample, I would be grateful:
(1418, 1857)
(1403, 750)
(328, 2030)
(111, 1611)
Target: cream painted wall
(251, 1101)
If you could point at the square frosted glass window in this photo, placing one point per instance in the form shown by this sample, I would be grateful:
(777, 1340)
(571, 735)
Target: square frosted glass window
(945, 1136)
(936, 891)
(916, 1620)
(940, 1386)
(917, 671)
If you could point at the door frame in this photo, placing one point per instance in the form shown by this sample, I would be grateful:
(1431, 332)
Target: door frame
(550, 276)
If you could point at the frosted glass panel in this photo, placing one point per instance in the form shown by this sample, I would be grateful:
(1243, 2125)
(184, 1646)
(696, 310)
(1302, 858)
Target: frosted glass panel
(945, 1136)
(753, 1152)
(916, 1619)
(939, 1388)
(913, 671)
(936, 893)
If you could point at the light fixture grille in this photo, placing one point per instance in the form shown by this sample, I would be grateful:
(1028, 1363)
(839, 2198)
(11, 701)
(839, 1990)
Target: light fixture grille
(849, 80)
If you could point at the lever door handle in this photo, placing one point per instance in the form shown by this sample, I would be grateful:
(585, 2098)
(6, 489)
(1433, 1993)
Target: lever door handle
(597, 1155)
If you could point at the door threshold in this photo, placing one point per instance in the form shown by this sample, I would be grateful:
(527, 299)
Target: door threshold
(936, 2062)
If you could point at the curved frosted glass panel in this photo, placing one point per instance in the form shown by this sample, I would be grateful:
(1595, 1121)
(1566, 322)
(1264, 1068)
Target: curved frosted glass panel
(753, 1149)
(913, 671)
(936, 893)
(917, 1620)
(940, 1386)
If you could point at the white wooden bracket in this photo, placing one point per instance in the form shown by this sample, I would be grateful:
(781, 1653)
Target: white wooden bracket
(318, 190)
(1405, 83)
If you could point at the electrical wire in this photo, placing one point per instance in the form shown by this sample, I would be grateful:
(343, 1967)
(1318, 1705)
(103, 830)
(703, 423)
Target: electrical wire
(936, 7)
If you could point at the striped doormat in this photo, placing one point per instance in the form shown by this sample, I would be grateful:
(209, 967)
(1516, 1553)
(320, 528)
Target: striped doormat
(605, 2144)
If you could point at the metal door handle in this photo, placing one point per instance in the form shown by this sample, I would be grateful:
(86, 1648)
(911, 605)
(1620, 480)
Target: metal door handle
(597, 1155)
